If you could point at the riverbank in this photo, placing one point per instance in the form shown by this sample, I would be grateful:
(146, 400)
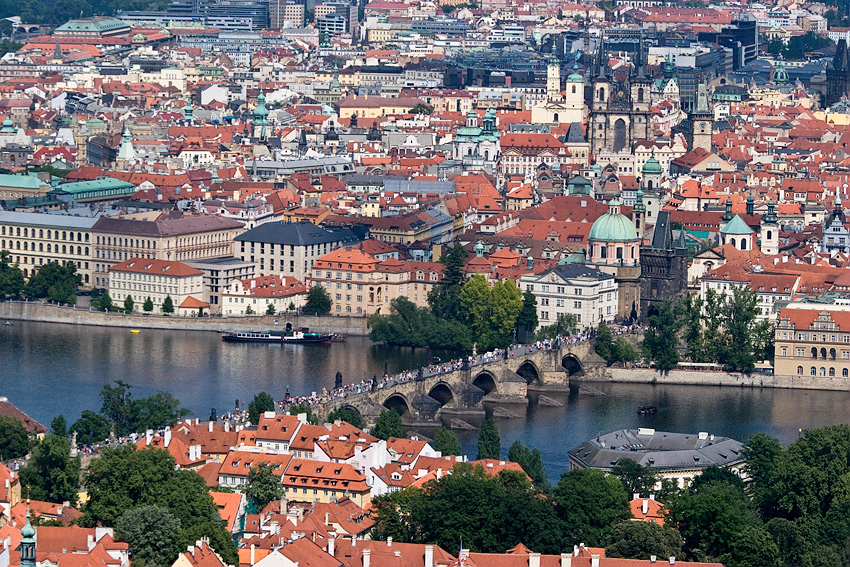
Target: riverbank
(712, 378)
(47, 313)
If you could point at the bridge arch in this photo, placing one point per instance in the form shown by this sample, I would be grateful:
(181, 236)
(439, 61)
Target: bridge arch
(572, 363)
(486, 382)
(398, 404)
(442, 392)
(528, 370)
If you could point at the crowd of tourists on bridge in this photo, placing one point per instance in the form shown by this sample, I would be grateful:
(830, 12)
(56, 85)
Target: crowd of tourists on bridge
(444, 367)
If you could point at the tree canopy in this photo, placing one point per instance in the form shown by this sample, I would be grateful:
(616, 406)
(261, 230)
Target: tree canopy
(51, 474)
(447, 443)
(261, 403)
(54, 281)
(263, 485)
(128, 415)
(14, 438)
(152, 533)
(388, 425)
(489, 443)
(318, 301)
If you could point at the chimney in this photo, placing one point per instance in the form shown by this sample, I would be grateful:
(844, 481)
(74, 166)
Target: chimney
(645, 507)
(90, 541)
(389, 542)
(367, 556)
(635, 495)
(167, 436)
(331, 547)
(252, 554)
(575, 550)
(148, 436)
(594, 560)
(653, 558)
(211, 427)
(354, 541)
(672, 560)
(227, 426)
(429, 556)
(327, 518)
(533, 560)
(566, 560)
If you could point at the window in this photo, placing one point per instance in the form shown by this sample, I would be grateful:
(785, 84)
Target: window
(577, 304)
(544, 315)
(813, 371)
(832, 372)
(800, 370)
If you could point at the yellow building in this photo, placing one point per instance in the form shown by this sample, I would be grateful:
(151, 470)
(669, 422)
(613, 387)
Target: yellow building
(375, 106)
(360, 284)
(813, 342)
(316, 481)
(34, 239)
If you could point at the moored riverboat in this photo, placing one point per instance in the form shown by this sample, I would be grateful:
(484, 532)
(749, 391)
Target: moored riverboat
(278, 337)
(646, 410)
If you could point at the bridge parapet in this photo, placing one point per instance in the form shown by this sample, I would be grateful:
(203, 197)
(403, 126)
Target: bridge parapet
(498, 380)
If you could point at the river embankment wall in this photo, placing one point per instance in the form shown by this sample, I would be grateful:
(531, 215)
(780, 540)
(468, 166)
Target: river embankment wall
(48, 313)
(714, 378)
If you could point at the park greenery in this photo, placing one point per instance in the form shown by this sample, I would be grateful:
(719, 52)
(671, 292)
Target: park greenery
(135, 491)
(127, 415)
(613, 351)
(721, 329)
(798, 45)
(461, 312)
(53, 281)
(794, 509)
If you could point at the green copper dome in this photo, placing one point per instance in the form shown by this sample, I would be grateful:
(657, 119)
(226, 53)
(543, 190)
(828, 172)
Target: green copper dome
(613, 227)
(651, 166)
(575, 76)
(27, 532)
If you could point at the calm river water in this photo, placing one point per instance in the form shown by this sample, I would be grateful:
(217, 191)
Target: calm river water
(46, 369)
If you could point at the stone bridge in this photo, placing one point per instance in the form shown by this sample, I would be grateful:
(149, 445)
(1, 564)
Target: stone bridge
(463, 393)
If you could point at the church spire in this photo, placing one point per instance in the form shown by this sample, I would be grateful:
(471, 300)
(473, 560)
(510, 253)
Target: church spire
(27, 543)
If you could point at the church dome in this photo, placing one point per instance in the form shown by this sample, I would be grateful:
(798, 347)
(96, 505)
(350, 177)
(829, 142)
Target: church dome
(27, 531)
(575, 76)
(651, 166)
(613, 226)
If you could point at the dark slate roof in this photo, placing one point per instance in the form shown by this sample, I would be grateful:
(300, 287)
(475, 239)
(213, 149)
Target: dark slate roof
(295, 234)
(569, 271)
(165, 227)
(662, 236)
(575, 135)
(658, 449)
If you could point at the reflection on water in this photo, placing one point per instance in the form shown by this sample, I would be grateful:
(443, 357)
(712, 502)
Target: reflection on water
(49, 369)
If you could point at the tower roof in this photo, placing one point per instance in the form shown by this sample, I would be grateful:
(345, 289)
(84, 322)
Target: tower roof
(736, 226)
(651, 166)
(613, 227)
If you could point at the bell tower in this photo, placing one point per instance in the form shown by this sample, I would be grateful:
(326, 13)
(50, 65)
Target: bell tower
(701, 121)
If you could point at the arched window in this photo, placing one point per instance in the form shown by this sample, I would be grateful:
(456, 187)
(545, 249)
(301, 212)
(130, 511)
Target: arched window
(814, 352)
(64, 250)
(41, 247)
(743, 244)
(555, 117)
(769, 234)
(601, 94)
(823, 353)
(640, 95)
(64, 235)
(813, 371)
(831, 372)
(48, 247)
(619, 252)
(832, 353)
(844, 373)
(822, 371)
(26, 234)
(574, 89)
(800, 370)
(734, 243)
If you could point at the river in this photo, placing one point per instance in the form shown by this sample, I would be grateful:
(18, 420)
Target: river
(49, 369)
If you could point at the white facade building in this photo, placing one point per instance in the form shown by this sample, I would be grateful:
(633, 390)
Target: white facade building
(582, 291)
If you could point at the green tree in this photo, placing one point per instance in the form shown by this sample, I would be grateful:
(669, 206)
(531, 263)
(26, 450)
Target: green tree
(761, 454)
(566, 325)
(103, 302)
(51, 474)
(91, 427)
(11, 277)
(409, 325)
(490, 314)
(157, 410)
(661, 339)
(746, 340)
(14, 438)
(489, 513)
(489, 443)
(129, 304)
(249, 310)
(640, 540)
(346, 414)
(261, 403)
(305, 408)
(388, 425)
(623, 351)
(444, 298)
(636, 478)
(531, 462)
(168, 305)
(711, 519)
(604, 343)
(8, 46)
(152, 533)
(526, 321)
(59, 426)
(147, 306)
(422, 108)
(447, 443)
(318, 301)
(270, 310)
(124, 478)
(753, 546)
(589, 504)
(54, 281)
(263, 485)
(117, 406)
